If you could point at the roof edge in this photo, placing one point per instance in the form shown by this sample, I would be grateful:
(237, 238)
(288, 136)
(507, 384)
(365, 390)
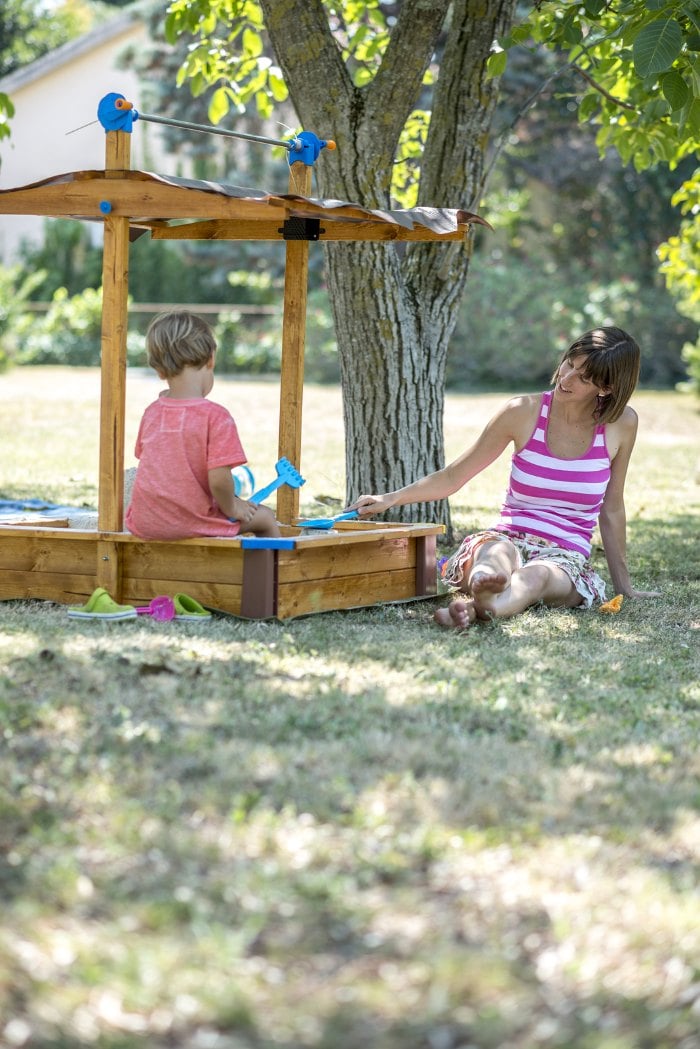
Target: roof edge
(71, 50)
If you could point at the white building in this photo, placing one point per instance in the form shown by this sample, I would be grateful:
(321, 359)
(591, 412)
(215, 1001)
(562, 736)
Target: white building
(55, 128)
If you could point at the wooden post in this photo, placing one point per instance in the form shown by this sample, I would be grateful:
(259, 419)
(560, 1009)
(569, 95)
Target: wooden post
(293, 339)
(115, 289)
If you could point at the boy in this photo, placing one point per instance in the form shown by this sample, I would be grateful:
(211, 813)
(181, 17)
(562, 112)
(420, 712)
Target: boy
(187, 445)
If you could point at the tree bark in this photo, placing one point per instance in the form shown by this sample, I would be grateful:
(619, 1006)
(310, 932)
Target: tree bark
(395, 307)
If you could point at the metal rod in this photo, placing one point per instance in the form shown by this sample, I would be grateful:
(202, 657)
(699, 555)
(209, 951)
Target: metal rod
(208, 130)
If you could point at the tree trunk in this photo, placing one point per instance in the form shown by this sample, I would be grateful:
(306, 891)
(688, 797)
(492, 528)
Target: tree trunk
(395, 306)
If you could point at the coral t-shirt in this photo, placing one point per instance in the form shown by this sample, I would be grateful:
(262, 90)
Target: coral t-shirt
(179, 441)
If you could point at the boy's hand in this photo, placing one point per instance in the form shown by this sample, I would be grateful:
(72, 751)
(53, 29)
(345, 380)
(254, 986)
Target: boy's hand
(244, 511)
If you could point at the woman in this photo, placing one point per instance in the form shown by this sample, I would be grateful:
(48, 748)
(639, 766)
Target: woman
(572, 448)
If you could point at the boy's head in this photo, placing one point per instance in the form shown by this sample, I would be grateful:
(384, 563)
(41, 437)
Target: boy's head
(179, 340)
(612, 361)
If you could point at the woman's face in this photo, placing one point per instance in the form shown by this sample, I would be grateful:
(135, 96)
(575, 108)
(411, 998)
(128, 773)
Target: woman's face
(571, 383)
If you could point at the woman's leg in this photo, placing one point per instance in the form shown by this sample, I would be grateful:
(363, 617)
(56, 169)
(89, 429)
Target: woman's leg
(499, 588)
(490, 569)
(537, 581)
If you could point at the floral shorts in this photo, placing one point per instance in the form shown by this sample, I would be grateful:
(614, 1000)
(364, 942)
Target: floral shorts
(586, 581)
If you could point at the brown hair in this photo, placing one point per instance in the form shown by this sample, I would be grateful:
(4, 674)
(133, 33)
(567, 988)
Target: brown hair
(612, 361)
(179, 340)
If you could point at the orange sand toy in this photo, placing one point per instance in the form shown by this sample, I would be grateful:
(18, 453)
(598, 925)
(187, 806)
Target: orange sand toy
(612, 606)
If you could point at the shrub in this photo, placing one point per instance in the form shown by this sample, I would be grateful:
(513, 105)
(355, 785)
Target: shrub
(15, 291)
(516, 318)
(70, 332)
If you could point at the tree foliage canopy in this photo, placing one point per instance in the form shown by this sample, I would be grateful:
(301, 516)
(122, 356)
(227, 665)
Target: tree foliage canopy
(232, 51)
(28, 30)
(639, 66)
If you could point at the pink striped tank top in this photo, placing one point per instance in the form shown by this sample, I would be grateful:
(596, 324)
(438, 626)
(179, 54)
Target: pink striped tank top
(556, 499)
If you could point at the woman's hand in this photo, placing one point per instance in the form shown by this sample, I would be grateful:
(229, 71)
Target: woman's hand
(367, 505)
(644, 593)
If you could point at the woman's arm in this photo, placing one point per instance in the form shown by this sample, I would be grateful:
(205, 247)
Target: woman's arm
(613, 518)
(509, 424)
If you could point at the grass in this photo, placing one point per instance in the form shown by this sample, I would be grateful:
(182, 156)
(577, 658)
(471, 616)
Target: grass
(351, 830)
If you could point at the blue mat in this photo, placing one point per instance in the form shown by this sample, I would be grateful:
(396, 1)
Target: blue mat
(12, 507)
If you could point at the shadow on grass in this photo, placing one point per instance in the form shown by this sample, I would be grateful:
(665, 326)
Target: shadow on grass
(525, 1017)
(272, 810)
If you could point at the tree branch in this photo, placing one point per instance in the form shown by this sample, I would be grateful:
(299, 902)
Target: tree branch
(600, 89)
(530, 102)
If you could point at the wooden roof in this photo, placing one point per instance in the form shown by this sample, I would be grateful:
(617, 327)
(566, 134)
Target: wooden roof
(154, 202)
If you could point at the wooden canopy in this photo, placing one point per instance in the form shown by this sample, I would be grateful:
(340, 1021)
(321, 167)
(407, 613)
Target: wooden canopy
(130, 203)
(152, 202)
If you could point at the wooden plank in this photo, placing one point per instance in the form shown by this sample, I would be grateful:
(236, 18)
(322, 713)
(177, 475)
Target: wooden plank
(426, 565)
(117, 153)
(108, 572)
(293, 341)
(221, 596)
(62, 587)
(259, 598)
(383, 555)
(37, 553)
(131, 198)
(37, 519)
(334, 229)
(115, 291)
(357, 591)
(188, 563)
(22, 528)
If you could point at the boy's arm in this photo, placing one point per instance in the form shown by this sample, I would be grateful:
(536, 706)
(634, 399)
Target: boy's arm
(223, 490)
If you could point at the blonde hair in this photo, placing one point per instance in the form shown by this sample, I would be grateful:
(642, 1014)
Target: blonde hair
(179, 340)
(612, 362)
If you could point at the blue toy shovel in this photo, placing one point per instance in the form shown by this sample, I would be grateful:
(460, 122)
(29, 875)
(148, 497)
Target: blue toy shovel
(327, 522)
(286, 474)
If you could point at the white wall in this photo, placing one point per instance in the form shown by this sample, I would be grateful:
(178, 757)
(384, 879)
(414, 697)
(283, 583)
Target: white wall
(56, 95)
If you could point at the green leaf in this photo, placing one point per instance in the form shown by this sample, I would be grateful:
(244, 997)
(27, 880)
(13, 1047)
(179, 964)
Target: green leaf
(655, 110)
(219, 105)
(277, 86)
(362, 76)
(573, 33)
(674, 89)
(693, 123)
(589, 105)
(6, 105)
(263, 104)
(496, 63)
(692, 11)
(694, 64)
(520, 35)
(657, 46)
(252, 43)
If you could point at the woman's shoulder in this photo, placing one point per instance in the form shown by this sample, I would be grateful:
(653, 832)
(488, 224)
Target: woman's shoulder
(518, 416)
(524, 408)
(621, 432)
(626, 423)
(526, 400)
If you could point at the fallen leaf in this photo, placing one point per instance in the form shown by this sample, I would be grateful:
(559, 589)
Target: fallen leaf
(612, 606)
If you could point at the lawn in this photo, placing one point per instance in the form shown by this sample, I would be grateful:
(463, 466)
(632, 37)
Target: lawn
(355, 830)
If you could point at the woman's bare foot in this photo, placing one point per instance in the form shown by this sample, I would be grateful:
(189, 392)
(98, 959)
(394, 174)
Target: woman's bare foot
(459, 614)
(485, 586)
(483, 582)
